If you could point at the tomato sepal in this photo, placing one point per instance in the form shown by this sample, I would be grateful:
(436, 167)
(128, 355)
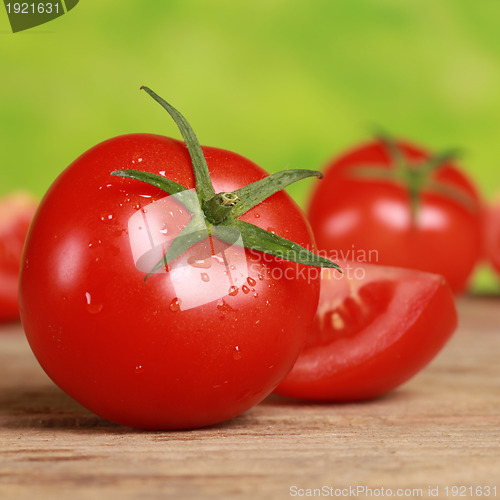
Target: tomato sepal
(222, 209)
(415, 176)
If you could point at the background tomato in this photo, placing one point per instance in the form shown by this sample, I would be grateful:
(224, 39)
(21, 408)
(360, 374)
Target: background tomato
(356, 211)
(492, 235)
(130, 349)
(375, 328)
(16, 212)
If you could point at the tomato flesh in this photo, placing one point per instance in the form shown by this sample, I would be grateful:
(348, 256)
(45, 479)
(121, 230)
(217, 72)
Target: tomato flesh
(375, 328)
(167, 352)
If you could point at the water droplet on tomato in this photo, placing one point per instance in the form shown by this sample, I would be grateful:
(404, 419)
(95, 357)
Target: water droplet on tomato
(224, 306)
(200, 263)
(245, 289)
(255, 294)
(251, 281)
(260, 276)
(256, 215)
(271, 230)
(175, 305)
(139, 369)
(92, 306)
(233, 290)
(205, 277)
(237, 353)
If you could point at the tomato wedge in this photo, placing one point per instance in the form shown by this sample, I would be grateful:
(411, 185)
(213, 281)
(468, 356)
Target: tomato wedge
(374, 329)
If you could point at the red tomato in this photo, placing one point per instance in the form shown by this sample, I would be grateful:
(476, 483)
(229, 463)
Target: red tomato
(492, 236)
(16, 212)
(167, 352)
(375, 328)
(355, 215)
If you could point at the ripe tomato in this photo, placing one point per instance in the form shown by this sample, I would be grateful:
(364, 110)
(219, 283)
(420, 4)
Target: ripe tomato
(163, 352)
(410, 216)
(492, 236)
(16, 212)
(375, 328)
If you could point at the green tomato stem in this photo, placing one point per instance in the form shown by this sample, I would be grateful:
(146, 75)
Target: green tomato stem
(217, 208)
(217, 213)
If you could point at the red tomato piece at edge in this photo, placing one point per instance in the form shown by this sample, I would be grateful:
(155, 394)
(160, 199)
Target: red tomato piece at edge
(351, 214)
(492, 236)
(181, 349)
(16, 212)
(375, 328)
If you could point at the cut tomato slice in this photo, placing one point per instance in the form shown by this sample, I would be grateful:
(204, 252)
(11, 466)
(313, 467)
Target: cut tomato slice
(375, 328)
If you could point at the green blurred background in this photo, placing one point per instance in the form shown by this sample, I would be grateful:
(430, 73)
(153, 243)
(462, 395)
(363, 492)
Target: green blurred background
(287, 83)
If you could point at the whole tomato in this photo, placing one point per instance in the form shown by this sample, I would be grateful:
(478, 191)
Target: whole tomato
(188, 342)
(376, 327)
(392, 203)
(16, 212)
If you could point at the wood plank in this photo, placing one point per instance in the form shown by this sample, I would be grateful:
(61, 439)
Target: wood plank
(440, 429)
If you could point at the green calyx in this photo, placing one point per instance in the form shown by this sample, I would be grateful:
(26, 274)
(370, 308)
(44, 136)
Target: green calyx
(415, 175)
(217, 214)
(217, 208)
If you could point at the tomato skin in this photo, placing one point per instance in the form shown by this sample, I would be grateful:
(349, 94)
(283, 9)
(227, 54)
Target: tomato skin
(350, 216)
(492, 235)
(16, 212)
(119, 344)
(396, 321)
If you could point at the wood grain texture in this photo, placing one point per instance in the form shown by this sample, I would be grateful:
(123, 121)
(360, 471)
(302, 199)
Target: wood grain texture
(442, 428)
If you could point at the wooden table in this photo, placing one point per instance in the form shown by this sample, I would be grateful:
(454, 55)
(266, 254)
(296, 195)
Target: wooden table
(442, 429)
